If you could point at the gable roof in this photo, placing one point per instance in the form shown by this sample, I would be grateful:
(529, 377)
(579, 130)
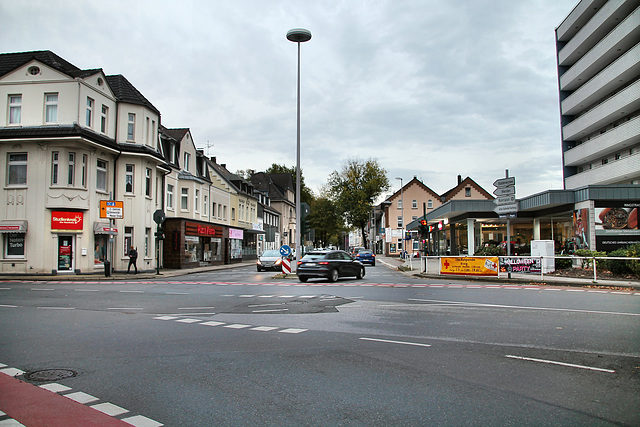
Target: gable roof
(12, 61)
(462, 184)
(416, 181)
(126, 92)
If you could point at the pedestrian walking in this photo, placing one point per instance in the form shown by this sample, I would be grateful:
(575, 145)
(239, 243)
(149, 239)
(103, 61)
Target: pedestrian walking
(133, 257)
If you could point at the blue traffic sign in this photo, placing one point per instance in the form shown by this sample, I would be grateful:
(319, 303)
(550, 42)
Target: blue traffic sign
(285, 250)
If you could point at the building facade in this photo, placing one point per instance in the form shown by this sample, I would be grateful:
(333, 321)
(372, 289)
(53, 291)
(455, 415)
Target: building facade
(598, 59)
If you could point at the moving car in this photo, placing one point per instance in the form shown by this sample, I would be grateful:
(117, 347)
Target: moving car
(328, 264)
(270, 260)
(366, 256)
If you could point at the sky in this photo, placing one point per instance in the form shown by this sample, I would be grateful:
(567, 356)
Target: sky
(427, 88)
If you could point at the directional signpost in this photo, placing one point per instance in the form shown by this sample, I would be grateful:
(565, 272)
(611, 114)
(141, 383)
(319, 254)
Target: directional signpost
(507, 206)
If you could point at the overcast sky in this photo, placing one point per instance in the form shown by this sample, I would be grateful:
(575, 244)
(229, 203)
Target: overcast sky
(433, 89)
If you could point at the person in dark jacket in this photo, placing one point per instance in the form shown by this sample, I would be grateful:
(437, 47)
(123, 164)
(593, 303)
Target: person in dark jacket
(133, 257)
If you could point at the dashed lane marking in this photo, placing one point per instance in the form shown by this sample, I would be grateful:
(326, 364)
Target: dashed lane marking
(230, 325)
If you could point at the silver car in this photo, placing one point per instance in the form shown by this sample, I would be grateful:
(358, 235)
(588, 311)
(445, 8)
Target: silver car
(270, 260)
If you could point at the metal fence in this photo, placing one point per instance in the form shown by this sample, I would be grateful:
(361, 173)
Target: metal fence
(542, 264)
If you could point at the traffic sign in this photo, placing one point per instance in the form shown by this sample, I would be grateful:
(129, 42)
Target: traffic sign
(504, 209)
(285, 250)
(505, 182)
(111, 209)
(159, 216)
(504, 191)
(507, 200)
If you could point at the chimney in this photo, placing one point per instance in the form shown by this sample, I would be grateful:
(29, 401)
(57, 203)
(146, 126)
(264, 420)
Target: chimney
(213, 159)
(459, 179)
(224, 165)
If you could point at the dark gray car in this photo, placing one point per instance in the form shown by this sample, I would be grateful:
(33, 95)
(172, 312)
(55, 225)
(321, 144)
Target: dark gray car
(328, 264)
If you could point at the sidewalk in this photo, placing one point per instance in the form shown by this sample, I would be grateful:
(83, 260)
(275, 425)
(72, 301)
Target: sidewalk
(395, 262)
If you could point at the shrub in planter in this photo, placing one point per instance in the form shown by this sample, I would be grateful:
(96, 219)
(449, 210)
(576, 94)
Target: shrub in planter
(563, 263)
(619, 266)
(490, 250)
(588, 263)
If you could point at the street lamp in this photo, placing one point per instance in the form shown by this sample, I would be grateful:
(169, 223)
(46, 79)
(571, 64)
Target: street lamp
(298, 35)
(402, 213)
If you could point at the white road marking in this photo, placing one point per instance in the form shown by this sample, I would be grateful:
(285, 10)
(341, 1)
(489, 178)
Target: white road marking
(552, 362)
(166, 318)
(125, 308)
(396, 342)
(55, 387)
(56, 308)
(293, 331)
(237, 326)
(81, 397)
(109, 409)
(131, 292)
(264, 328)
(212, 323)
(141, 421)
(189, 320)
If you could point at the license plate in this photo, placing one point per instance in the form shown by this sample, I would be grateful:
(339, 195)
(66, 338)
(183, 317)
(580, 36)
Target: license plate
(310, 264)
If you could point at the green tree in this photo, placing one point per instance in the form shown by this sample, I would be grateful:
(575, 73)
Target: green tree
(354, 189)
(306, 195)
(325, 220)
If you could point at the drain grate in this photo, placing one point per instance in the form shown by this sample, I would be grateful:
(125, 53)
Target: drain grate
(50, 374)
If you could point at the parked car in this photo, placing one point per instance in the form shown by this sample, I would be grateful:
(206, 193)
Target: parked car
(330, 265)
(355, 250)
(270, 260)
(366, 256)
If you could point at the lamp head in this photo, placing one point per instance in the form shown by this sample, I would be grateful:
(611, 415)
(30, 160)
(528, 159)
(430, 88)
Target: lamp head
(299, 35)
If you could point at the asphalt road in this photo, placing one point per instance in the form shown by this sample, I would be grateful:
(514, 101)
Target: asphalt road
(237, 347)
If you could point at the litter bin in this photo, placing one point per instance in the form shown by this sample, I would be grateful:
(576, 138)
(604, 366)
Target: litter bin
(107, 269)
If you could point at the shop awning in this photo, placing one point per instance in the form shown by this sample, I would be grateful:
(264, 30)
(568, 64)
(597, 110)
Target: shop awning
(17, 226)
(103, 228)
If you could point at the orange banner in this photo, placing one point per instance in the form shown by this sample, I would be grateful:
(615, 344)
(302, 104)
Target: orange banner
(469, 266)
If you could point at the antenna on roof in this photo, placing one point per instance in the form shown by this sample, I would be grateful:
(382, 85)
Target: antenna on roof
(209, 145)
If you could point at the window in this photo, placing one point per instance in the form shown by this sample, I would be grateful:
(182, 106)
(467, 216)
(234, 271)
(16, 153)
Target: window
(128, 239)
(184, 199)
(169, 196)
(14, 245)
(197, 201)
(147, 182)
(187, 157)
(467, 192)
(222, 211)
(430, 204)
(71, 171)
(605, 161)
(89, 118)
(101, 175)
(213, 210)
(205, 204)
(50, 107)
(84, 171)
(128, 178)
(147, 242)
(414, 204)
(131, 127)
(54, 167)
(16, 168)
(399, 203)
(15, 108)
(399, 221)
(233, 214)
(104, 117)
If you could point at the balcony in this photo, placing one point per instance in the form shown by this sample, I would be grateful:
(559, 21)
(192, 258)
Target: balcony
(620, 39)
(619, 138)
(578, 17)
(616, 107)
(604, 83)
(614, 172)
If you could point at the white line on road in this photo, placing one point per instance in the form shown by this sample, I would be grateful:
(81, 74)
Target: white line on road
(270, 310)
(396, 342)
(519, 307)
(8, 306)
(125, 308)
(178, 293)
(56, 308)
(194, 308)
(552, 362)
(86, 290)
(131, 292)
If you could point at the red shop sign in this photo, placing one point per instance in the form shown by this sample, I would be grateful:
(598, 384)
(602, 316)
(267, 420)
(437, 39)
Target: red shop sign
(61, 220)
(195, 229)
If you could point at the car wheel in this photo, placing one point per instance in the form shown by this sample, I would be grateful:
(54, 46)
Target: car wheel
(333, 275)
(303, 279)
(259, 269)
(373, 264)
(360, 274)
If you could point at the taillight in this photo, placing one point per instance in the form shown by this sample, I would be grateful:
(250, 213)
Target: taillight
(323, 263)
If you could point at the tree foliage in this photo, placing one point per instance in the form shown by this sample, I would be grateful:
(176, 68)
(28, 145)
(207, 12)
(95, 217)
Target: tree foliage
(355, 188)
(306, 195)
(325, 219)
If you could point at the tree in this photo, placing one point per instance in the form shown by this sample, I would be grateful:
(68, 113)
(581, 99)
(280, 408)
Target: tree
(355, 188)
(325, 220)
(306, 195)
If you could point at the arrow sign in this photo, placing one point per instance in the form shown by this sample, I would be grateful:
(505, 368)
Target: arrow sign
(507, 200)
(504, 209)
(505, 182)
(505, 191)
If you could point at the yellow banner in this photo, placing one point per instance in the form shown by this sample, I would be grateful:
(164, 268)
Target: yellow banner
(469, 266)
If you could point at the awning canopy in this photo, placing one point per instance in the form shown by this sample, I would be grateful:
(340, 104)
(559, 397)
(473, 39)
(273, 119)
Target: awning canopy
(103, 228)
(17, 226)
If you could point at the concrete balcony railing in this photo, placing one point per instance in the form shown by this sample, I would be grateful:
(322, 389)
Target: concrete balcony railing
(604, 83)
(614, 172)
(614, 108)
(618, 138)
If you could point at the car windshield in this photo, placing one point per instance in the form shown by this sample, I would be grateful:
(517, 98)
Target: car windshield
(364, 252)
(270, 254)
(311, 256)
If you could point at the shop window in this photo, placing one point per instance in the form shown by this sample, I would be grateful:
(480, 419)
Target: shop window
(14, 245)
(100, 249)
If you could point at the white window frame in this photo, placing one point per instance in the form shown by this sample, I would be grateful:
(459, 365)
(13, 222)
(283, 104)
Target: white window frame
(14, 109)
(170, 196)
(55, 167)
(147, 182)
(196, 201)
(51, 107)
(187, 158)
(6, 238)
(184, 199)
(15, 164)
(71, 169)
(89, 114)
(129, 174)
(102, 171)
(104, 119)
(131, 127)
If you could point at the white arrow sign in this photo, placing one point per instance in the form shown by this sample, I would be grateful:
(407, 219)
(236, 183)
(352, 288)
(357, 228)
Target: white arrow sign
(505, 191)
(505, 182)
(504, 209)
(507, 200)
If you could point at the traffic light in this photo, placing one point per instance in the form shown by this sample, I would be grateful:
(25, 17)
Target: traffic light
(423, 229)
(159, 233)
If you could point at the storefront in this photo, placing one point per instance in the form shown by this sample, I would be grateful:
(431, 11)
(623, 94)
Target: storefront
(13, 234)
(65, 226)
(101, 232)
(191, 244)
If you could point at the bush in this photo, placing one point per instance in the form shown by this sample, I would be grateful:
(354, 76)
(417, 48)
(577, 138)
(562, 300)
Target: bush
(588, 263)
(563, 263)
(491, 250)
(619, 266)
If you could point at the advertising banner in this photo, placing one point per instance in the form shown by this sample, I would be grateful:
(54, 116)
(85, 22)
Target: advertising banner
(616, 225)
(62, 220)
(469, 266)
(520, 265)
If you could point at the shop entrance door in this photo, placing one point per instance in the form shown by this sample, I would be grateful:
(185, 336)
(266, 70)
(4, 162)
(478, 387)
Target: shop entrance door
(65, 253)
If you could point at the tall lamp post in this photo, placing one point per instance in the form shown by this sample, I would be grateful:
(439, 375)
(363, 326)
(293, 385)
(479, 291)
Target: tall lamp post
(298, 35)
(402, 213)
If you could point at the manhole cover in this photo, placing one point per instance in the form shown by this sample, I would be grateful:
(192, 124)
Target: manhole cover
(50, 374)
